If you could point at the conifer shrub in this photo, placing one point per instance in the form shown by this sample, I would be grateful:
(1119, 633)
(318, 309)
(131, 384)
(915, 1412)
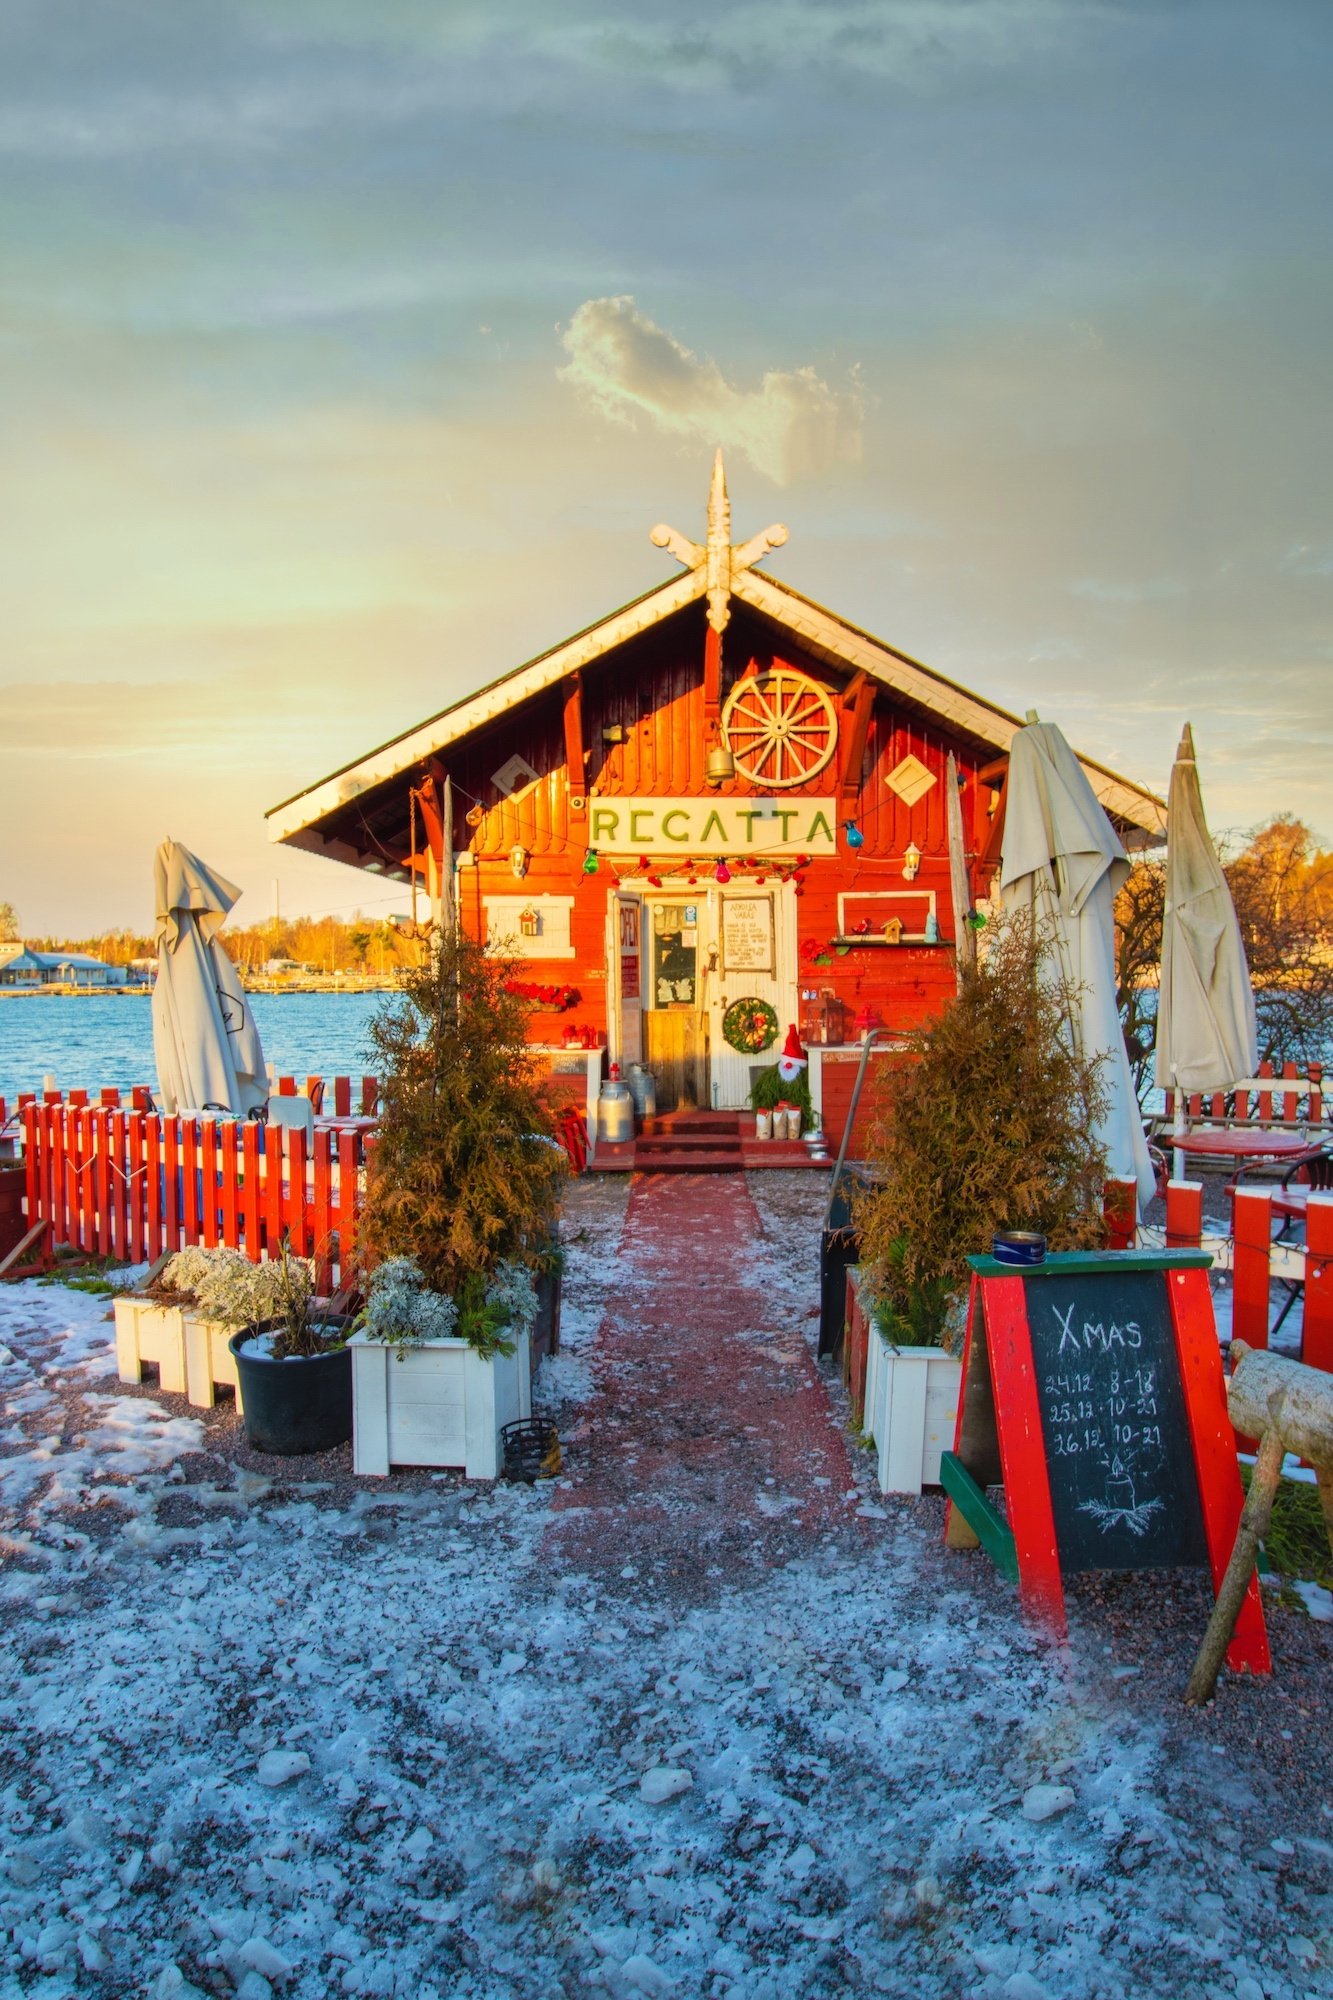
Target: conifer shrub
(466, 1177)
(987, 1124)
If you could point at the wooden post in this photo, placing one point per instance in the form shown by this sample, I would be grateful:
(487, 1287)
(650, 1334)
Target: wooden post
(1250, 1277)
(1289, 1407)
(1317, 1337)
(1184, 1215)
(964, 937)
(1254, 1519)
(1120, 1207)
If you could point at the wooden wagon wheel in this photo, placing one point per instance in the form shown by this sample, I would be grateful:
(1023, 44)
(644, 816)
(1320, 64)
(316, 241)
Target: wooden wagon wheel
(780, 728)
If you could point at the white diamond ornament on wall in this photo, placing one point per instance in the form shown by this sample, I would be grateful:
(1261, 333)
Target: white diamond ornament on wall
(910, 779)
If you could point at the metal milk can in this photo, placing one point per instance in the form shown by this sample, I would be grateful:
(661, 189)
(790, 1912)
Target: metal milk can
(615, 1111)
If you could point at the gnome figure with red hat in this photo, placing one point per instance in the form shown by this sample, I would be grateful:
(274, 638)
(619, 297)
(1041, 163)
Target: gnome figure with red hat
(792, 1061)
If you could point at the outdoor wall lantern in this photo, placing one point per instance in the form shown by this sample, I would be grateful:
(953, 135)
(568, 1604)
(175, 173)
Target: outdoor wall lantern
(911, 862)
(519, 861)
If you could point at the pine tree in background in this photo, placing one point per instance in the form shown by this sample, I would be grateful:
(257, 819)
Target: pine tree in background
(465, 1175)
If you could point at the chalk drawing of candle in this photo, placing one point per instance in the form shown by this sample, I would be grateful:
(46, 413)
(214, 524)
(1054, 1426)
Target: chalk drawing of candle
(1122, 1507)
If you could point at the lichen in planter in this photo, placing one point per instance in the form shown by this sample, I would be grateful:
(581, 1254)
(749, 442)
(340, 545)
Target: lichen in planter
(422, 1395)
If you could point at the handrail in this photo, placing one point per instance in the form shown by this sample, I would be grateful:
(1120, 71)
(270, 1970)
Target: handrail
(871, 1037)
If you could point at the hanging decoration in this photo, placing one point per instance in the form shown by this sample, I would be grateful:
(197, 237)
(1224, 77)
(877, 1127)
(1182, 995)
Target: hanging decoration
(590, 861)
(855, 837)
(749, 1026)
(722, 872)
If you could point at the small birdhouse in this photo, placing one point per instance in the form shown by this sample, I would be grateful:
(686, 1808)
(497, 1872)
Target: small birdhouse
(529, 923)
(893, 931)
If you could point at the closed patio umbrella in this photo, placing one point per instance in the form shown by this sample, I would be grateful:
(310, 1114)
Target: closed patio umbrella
(1206, 1033)
(205, 1041)
(1063, 861)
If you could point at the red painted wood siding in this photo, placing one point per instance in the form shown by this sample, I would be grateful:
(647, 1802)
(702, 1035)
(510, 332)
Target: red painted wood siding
(652, 689)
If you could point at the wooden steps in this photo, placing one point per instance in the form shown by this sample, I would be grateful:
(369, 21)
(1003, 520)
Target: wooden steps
(690, 1142)
(701, 1142)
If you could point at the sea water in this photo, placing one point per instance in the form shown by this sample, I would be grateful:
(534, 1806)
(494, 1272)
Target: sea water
(93, 1041)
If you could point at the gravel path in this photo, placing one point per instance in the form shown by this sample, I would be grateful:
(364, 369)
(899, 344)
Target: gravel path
(271, 1730)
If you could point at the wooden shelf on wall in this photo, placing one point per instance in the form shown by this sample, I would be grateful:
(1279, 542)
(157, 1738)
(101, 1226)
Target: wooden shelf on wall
(891, 944)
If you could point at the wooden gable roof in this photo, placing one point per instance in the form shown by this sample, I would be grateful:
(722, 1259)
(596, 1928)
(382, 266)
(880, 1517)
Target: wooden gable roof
(324, 817)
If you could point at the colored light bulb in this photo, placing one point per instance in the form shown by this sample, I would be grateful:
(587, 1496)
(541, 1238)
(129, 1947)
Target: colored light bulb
(855, 837)
(722, 872)
(590, 861)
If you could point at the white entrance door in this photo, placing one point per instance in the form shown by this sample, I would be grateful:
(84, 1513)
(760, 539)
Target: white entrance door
(624, 977)
(751, 956)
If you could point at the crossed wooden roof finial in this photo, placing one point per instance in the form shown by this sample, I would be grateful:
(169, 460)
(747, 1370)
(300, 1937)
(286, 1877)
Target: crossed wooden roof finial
(717, 555)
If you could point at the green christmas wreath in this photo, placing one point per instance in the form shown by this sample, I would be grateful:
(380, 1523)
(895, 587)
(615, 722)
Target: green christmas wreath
(750, 1027)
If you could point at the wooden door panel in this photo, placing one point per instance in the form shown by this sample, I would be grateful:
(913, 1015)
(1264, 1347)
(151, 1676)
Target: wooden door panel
(676, 1051)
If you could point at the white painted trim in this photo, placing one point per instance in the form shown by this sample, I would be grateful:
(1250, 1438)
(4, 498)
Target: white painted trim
(295, 815)
(843, 645)
(886, 896)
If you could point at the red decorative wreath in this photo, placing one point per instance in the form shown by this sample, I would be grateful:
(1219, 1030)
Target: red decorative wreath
(750, 1027)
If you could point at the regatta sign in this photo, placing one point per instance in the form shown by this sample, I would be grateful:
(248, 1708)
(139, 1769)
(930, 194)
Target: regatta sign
(712, 826)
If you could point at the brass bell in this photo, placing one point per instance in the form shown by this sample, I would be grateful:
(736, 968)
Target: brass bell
(719, 765)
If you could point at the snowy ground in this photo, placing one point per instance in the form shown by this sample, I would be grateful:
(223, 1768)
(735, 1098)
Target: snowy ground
(270, 1729)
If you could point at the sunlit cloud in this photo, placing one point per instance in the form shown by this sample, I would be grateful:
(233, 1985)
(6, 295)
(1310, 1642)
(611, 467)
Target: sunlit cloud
(626, 366)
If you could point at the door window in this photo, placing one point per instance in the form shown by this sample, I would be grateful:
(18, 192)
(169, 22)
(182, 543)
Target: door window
(675, 958)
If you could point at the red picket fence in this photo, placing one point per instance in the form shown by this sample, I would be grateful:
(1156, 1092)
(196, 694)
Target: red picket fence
(1251, 1253)
(1296, 1097)
(132, 1184)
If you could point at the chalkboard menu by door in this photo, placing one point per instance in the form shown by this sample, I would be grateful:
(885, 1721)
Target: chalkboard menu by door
(1093, 1393)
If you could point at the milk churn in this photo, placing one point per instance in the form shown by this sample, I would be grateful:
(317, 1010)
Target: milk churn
(615, 1111)
(643, 1089)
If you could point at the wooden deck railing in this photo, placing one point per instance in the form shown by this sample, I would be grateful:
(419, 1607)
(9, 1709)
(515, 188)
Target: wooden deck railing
(131, 1184)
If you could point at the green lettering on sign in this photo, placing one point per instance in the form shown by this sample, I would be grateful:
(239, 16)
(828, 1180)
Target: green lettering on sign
(749, 814)
(644, 812)
(605, 824)
(714, 820)
(786, 818)
(815, 824)
(667, 818)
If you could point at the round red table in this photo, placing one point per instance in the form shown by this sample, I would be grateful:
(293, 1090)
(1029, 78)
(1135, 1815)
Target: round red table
(1238, 1145)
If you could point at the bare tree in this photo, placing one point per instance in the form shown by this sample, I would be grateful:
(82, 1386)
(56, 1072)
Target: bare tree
(1282, 887)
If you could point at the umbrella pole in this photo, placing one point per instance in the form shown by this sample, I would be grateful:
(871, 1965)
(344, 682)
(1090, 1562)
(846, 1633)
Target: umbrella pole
(1179, 1130)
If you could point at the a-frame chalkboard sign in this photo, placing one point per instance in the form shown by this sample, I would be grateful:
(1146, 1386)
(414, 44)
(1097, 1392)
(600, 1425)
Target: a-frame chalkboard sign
(1092, 1390)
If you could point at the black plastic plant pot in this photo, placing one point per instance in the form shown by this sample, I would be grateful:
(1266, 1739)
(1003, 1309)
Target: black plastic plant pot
(295, 1406)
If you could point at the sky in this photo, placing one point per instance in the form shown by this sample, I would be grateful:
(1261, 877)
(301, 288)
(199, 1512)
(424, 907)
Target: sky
(350, 351)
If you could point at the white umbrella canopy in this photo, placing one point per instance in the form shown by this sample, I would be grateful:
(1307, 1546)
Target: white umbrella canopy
(1206, 1033)
(1062, 861)
(205, 1040)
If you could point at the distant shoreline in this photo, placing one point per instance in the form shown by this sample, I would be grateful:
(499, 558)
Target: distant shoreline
(278, 987)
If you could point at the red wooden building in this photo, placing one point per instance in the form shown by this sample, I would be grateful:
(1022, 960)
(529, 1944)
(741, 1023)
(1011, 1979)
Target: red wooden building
(722, 791)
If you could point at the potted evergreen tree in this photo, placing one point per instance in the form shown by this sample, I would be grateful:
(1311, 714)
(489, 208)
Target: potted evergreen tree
(462, 1199)
(987, 1125)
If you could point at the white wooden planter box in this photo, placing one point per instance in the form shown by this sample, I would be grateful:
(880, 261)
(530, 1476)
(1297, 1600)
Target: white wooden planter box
(911, 1403)
(209, 1363)
(146, 1331)
(440, 1404)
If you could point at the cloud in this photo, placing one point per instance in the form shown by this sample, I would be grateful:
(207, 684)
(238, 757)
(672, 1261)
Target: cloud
(793, 425)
